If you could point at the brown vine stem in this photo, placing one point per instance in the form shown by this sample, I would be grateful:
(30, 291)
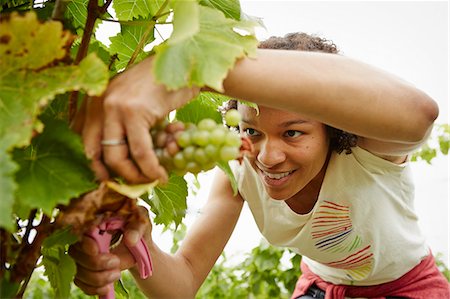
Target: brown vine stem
(152, 24)
(58, 10)
(29, 255)
(29, 226)
(94, 12)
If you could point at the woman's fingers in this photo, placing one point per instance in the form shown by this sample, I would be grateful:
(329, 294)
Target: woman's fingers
(141, 147)
(138, 227)
(95, 271)
(92, 135)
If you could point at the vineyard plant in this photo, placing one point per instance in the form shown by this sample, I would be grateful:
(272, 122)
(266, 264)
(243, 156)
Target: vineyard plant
(51, 63)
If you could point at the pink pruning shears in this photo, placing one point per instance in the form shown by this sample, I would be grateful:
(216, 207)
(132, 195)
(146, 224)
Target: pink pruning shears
(102, 234)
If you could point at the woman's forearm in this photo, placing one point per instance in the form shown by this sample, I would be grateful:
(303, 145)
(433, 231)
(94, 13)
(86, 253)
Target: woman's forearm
(335, 90)
(158, 286)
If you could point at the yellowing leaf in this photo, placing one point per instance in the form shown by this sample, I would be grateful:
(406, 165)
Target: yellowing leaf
(132, 191)
(25, 43)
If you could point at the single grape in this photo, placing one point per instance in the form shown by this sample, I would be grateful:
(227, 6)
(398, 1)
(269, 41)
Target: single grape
(193, 167)
(179, 161)
(233, 139)
(228, 153)
(232, 118)
(200, 156)
(207, 124)
(211, 151)
(189, 153)
(217, 136)
(183, 139)
(200, 137)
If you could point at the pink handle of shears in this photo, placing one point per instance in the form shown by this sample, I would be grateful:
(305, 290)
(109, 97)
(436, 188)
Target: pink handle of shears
(101, 234)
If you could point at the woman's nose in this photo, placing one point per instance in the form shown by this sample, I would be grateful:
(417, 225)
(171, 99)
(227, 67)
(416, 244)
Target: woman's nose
(270, 154)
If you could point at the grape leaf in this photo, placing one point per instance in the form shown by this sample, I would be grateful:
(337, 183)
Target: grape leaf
(205, 105)
(205, 56)
(28, 82)
(53, 169)
(230, 8)
(59, 266)
(29, 51)
(8, 187)
(168, 202)
(128, 10)
(126, 41)
(28, 44)
(77, 12)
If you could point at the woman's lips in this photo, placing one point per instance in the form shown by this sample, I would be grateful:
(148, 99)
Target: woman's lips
(275, 179)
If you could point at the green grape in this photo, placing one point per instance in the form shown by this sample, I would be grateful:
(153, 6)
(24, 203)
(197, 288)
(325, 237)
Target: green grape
(232, 118)
(211, 150)
(217, 136)
(207, 124)
(179, 161)
(228, 153)
(184, 139)
(233, 139)
(193, 167)
(200, 137)
(200, 156)
(189, 153)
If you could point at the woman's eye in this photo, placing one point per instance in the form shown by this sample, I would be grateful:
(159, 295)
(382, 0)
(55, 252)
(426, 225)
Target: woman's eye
(251, 132)
(293, 133)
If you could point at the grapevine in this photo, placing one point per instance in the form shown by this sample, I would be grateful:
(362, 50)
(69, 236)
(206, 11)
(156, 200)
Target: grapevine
(51, 64)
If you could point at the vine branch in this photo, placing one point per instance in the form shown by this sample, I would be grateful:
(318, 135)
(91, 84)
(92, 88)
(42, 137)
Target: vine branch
(58, 10)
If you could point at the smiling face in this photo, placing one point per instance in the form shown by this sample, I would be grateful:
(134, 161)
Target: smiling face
(290, 151)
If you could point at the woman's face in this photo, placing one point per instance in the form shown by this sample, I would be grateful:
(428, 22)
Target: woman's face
(290, 150)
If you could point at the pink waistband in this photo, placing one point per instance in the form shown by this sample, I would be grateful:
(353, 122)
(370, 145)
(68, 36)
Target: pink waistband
(423, 282)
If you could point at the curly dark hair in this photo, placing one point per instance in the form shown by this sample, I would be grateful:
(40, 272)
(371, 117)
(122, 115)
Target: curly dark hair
(339, 140)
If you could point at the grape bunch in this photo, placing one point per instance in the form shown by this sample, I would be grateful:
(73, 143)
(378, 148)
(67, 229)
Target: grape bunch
(183, 148)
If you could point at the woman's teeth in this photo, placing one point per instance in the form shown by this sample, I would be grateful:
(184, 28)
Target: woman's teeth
(276, 176)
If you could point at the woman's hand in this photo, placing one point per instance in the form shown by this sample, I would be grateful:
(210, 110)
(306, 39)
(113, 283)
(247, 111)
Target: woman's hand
(95, 270)
(116, 130)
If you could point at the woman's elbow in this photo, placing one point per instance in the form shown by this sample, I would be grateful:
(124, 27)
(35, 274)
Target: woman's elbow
(427, 112)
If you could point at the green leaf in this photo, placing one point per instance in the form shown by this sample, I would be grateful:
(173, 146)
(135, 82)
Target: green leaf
(59, 266)
(128, 10)
(187, 23)
(205, 56)
(227, 169)
(53, 169)
(76, 11)
(8, 289)
(230, 8)
(8, 187)
(205, 105)
(168, 202)
(125, 43)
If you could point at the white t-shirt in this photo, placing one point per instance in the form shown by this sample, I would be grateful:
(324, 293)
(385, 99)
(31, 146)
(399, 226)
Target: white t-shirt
(362, 230)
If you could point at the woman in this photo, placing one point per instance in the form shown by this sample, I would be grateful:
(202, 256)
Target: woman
(348, 213)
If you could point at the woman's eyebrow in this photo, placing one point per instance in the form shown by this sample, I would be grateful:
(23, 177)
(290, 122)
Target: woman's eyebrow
(292, 122)
(248, 121)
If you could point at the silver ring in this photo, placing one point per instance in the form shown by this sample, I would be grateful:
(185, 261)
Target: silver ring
(112, 142)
